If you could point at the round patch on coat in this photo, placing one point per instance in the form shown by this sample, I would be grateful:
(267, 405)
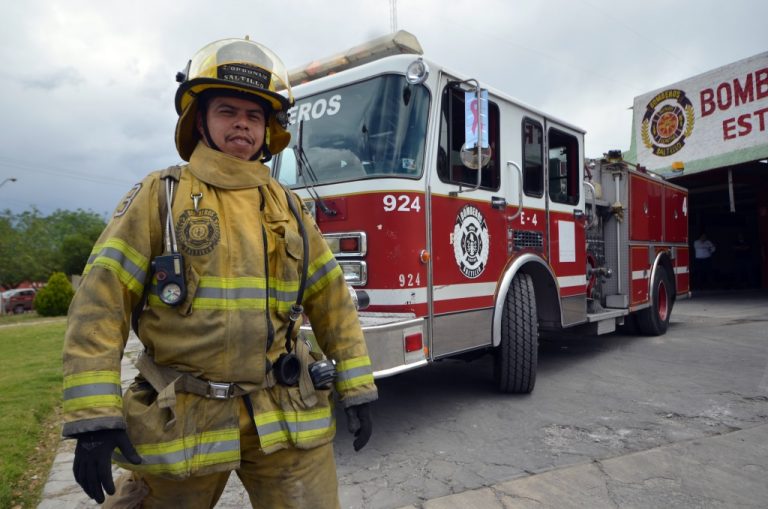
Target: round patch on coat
(470, 241)
(198, 232)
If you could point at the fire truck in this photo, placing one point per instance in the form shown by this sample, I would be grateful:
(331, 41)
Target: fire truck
(462, 246)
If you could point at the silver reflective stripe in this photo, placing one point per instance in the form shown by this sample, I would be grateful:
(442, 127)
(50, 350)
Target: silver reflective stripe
(294, 427)
(233, 294)
(321, 272)
(349, 374)
(284, 296)
(207, 292)
(188, 454)
(116, 255)
(82, 391)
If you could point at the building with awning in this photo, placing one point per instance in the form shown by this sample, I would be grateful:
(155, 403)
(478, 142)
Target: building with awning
(709, 133)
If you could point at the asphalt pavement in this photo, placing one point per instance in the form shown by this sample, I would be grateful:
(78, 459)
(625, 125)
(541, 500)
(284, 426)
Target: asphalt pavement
(726, 470)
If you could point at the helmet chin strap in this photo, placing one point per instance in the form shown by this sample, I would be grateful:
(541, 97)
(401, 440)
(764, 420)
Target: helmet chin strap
(206, 132)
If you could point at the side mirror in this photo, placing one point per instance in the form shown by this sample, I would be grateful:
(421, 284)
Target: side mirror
(469, 156)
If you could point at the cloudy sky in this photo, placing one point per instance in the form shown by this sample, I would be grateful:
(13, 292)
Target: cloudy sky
(87, 86)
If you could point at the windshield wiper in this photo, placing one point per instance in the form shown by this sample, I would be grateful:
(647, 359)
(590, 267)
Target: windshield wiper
(303, 163)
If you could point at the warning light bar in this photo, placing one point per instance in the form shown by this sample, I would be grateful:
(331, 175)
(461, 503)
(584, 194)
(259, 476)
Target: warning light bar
(398, 43)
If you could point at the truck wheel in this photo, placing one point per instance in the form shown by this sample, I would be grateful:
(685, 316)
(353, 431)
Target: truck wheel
(18, 309)
(654, 320)
(517, 355)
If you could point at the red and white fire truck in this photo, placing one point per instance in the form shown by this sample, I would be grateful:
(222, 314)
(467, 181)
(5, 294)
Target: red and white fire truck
(455, 260)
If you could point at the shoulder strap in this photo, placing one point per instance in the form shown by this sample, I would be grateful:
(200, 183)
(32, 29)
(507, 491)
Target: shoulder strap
(174, 173)
(297, 308)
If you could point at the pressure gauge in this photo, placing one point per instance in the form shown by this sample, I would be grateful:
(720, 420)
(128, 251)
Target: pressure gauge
(171, 293)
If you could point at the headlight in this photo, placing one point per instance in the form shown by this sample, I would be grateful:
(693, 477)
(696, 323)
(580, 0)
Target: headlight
(355, 273)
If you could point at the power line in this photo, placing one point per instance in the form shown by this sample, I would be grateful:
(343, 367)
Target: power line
(62, 172)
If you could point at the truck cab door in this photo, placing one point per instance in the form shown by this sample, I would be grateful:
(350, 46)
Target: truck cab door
(467, 228)
(566, 219)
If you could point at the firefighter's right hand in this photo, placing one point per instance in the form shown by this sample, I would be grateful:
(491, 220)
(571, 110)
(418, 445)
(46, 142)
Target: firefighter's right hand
(93, 460)
(359, 424)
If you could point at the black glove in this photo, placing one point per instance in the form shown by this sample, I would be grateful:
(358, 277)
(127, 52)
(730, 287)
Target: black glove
(359, 423)
(93, 460)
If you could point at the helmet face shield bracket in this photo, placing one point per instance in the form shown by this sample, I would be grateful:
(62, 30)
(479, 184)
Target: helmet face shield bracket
(181, 76)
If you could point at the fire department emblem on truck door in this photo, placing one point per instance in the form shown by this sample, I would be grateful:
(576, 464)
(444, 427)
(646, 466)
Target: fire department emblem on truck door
(470, 241)
(198, 232)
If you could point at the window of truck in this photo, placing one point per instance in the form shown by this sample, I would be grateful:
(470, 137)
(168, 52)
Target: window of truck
(452, 124)
(563, 161)
(533, 154)
(373, 128)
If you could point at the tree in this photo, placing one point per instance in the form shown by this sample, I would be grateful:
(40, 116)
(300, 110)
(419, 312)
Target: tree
(33, 246)
(54, 298)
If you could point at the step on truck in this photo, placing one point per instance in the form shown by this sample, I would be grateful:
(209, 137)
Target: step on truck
(471, 223)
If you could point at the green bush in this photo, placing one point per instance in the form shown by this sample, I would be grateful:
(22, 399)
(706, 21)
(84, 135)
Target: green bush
(54, 298)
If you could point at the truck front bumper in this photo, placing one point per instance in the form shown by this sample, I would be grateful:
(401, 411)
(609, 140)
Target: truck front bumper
(397, 342)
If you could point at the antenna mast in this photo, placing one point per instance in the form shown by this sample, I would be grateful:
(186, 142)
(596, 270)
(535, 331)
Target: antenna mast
(393, 15)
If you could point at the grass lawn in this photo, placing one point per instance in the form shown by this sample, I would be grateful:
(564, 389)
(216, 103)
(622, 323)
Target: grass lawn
(30, 398)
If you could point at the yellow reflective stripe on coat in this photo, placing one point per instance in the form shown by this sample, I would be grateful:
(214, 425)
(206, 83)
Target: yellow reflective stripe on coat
(353, 373)
(92, 389)
(187, 454)
(220, 293)
(116, 255)
(297, 427)
(322, 270)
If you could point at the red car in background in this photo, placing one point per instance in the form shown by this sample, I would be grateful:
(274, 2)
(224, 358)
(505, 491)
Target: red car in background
(18, 300)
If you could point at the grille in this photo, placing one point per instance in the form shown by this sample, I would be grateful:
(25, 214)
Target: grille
(524, 239)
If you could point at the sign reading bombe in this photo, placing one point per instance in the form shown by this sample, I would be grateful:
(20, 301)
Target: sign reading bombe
(714, 119)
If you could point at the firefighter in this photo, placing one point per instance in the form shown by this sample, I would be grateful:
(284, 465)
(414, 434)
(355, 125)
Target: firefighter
(217, 264)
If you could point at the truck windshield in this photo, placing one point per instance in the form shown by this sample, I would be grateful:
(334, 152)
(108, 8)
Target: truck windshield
(374, 128)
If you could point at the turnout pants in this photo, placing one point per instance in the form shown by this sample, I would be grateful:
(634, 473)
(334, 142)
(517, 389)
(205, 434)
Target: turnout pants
(286, 479)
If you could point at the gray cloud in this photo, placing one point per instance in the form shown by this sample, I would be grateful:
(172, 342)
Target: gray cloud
(63, 77)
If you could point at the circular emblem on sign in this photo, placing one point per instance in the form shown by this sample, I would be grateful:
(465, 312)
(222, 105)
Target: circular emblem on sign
(470, 241)
(667, 123)
(198, 232)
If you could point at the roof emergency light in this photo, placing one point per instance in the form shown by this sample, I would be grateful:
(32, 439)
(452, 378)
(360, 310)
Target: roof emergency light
(400, 42)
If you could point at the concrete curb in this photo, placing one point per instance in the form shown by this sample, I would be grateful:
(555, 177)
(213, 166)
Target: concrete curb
(725, 471)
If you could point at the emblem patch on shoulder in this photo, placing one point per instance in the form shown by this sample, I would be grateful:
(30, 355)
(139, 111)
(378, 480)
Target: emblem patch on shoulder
(198, 232)
(470, 241)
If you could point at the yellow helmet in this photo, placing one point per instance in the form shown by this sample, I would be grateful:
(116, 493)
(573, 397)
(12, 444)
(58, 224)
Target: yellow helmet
(239, 66)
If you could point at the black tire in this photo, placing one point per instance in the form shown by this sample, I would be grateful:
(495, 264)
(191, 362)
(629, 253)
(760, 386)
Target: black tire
(517, 355)
(18, 309)
(654, 320)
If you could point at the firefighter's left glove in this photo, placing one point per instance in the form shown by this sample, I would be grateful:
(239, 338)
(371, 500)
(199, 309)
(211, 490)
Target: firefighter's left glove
(93, 460)
(359, 423)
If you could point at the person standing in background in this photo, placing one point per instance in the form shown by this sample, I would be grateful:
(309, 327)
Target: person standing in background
(703, 250)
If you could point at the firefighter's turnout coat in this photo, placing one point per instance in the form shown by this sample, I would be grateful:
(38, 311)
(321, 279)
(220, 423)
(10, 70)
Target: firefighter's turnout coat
(243, 253)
